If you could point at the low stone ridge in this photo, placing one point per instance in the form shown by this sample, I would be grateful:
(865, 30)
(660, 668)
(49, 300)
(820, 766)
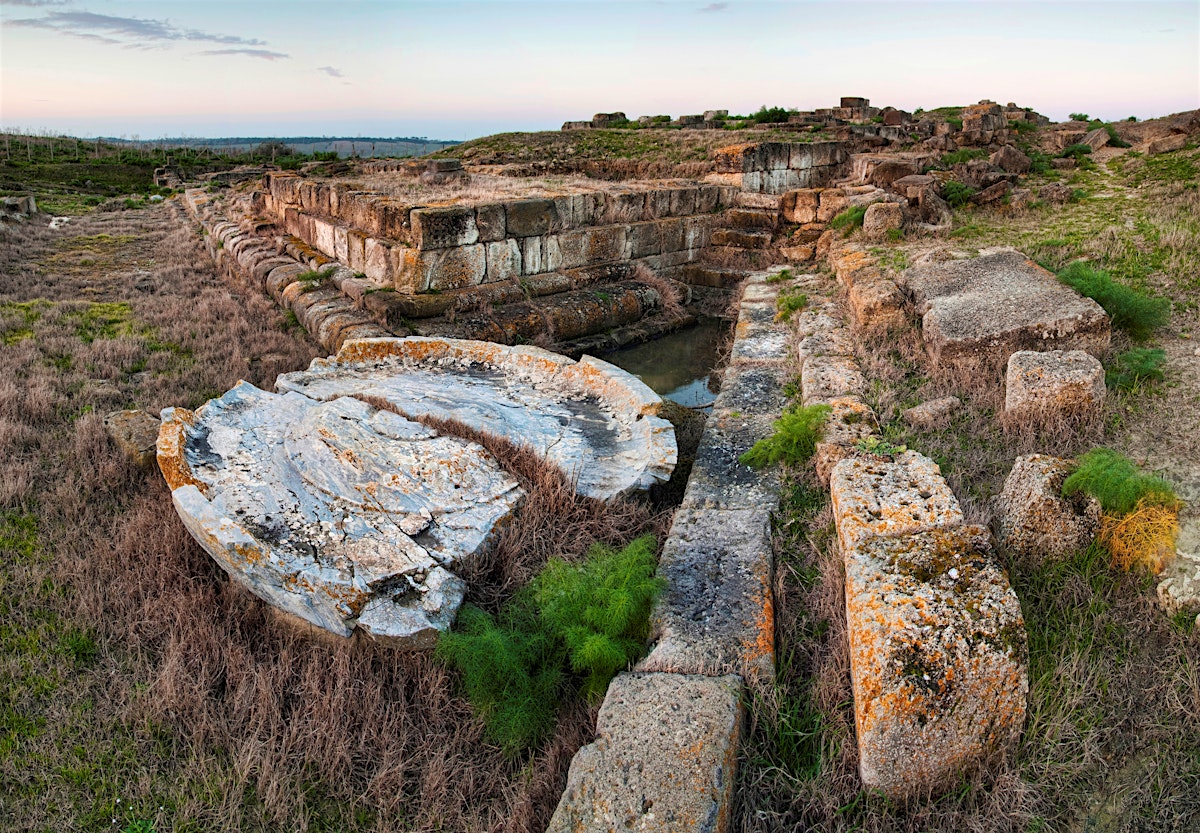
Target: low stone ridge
(1057, 384)
(663, 758)
(1032, 518)
(937, 658)
(597, 423)
(778, 167)
(341, 515)
(982, 310)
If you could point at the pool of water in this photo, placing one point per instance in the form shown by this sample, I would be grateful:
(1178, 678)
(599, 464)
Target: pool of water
(679, 365)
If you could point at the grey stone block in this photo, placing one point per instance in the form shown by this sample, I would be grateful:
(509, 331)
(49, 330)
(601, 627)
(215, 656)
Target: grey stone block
(719, 479)
(716, 615)
(526, 218)
(489, 220)
(663, 760)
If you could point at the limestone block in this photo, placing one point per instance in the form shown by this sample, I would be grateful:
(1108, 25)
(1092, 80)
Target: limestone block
(719, 480)
(135, 433)
(850, 420)
(597, 423)
(395, 221)
(1096, 139)
(932, 413)
(356, 250)
(832, 202)
(834, 342)
(539, 254)
(1011, 160)
(378, 265)
(683, 202)
(1057, 384)
(489, 222)
(696, 233)
(938, 658)
(716, 615)
(603, 244)
(877, 305)
(828, 377)
(753, 389)
(800, 206)
(642, 240)
(875, 496)
(1032, 517)
(882, 217)
(444, 228)
(527, 218)
(1175, 141)
(503, 261)
(663, 759)
(982, 310)
(440, 269)
(757, 335)
(341, 244)
(1179, 589)
(314, 507)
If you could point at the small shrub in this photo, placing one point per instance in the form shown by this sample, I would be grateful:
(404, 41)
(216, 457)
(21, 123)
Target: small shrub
(591, 618)
(956, 193)
(795, 439)
(1117, 483)
(1136, 313)
(1135, 367)
(1114, 140)
(771, 115)
(780, 276)
(1021, 126)
(955, 123)
(789, 302)
(1143, 539)
(895, 234)
(849, 220)
(879, 447)
(1076, 151)
(1080, 117)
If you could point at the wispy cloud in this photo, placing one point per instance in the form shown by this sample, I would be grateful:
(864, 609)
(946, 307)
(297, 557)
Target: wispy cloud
(265, 54)
(128, 31)
(33, 3)
(714, 7)
(332, 72)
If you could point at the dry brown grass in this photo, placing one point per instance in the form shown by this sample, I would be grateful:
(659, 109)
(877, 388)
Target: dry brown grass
(192, 705)
(670, 296)
(1144, 539)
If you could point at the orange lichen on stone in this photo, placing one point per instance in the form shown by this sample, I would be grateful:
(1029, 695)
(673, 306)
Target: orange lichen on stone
(172, 437)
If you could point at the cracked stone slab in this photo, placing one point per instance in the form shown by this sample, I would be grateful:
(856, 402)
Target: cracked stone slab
(663, 760)
(342, 515)
(716, 615)
(596, 422)
(825, 378)
(719, 479)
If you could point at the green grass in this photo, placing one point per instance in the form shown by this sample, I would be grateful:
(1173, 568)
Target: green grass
(1076, 151)
(1116, 482)
(956, 193)
(788, 303)
(1135, 368)
(850, 219)
(795, 439)
(958, 157)
(1132, 311)
(571, 629)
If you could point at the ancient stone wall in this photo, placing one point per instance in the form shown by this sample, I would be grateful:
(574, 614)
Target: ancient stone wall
(414, 249)
(777, 167)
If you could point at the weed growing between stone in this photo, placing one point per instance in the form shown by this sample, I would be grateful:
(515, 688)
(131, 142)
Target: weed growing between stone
(797, 432)
(849, 220)
(1117, 483)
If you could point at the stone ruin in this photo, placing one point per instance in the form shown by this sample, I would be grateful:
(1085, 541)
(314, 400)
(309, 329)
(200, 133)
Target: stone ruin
(334, 503)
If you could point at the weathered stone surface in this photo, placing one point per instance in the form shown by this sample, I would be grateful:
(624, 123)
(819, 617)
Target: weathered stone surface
(882, 217)
(993, 193)
(932, 413)
(836, 342)
(982, 310)
(1057, 384)
(935, 211)
(663, 759)
(1031, 516)
(876, 496)
(527, 218)
(719, 480)
(849, 420)
(444, 228)
(1166, 144)
(716, 615)
(800, 206)
(828, 377)
(832, 202)
(877, 305)
(1096, 139)
(135, 433)
(938, 658)
(1009, 159)
(1179, 588)
(597, 423)
(1055, 192)
(334, 512)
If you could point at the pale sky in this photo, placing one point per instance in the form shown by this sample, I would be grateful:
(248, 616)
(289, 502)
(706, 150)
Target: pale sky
(456, 70)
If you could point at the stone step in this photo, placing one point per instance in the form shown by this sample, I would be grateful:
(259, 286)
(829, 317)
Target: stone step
(752, 218)
(714, 276)
(749, 199)
(741, 238)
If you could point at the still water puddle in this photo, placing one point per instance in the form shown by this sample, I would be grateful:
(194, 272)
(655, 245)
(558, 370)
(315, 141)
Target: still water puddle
(679, 365)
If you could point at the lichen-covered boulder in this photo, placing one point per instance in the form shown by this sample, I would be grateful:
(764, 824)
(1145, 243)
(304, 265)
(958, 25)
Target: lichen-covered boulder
(597, 423)
(341, 515)
(1032, 517)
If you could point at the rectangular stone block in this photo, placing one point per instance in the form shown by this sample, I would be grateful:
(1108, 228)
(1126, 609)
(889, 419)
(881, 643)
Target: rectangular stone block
(604, 243)
(444, 228)
(540, 254)
(322, 239)
(643, 240)
(657, 203)
(341, 244)
(394, 220)
(716, 615)
(938, 659)
(683, 202)
(377, 261)
(529, 218)
(503, 261)
(754, 389)
(719, 479)
(663, 760)
(880, 496)
(356, 250)
(489, 222)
